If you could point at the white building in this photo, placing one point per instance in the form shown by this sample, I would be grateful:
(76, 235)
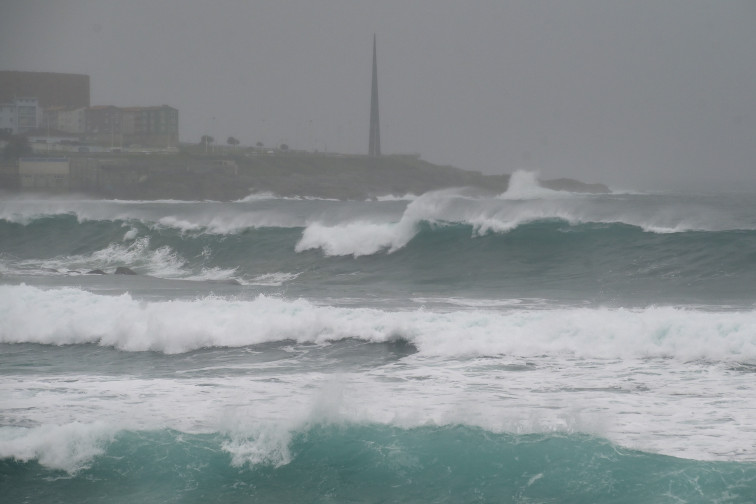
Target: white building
(27, 113)
(19, 116)
(8, 118)
(72, 121)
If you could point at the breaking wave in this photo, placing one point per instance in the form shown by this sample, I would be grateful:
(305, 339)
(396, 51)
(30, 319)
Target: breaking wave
(73, 316)
(355, 463)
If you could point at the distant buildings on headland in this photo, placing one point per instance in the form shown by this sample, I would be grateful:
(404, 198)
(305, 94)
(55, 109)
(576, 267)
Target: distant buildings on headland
(56, 107)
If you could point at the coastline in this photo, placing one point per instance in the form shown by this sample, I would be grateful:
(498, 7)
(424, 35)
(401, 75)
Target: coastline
(229, 177)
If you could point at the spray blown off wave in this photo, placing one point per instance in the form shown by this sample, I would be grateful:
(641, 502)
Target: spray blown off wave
(441, 244)
(524, 204)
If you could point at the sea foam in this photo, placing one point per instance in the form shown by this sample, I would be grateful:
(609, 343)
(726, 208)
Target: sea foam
(69, 447)
(73, 316)
(524, 203)
(358, 238)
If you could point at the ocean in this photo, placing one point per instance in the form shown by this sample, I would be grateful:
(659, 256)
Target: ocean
(449, 347)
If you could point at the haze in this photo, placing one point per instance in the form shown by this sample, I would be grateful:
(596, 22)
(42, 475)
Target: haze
(641, 95)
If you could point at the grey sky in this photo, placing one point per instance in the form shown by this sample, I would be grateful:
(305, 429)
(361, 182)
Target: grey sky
(637, 94)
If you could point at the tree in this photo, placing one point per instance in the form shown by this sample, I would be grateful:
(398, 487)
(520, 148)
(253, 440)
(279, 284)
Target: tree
(259, 145)
(284, 147)
(232, 141)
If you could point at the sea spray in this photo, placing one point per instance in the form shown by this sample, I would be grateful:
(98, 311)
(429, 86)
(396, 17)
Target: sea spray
(70, 447)
(523, 184)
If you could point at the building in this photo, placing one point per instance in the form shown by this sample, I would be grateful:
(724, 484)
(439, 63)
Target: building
(103, 124)
(27, 113)
(104, 119)
(50, 89)
(151, 126)
(50, 117)
(7, 119)
(19, 116)
(155, 126)
(72, 120)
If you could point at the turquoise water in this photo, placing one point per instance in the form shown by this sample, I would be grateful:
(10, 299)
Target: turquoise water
(448, 347)
(383, 464)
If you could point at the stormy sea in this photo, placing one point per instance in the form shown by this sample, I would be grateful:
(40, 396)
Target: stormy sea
(531, 347)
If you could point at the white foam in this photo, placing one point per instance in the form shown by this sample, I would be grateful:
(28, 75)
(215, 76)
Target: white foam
(524, 202)
(263, 196)
(693, 409)
(273, 279)
(527, 203)
(226, 222)
(356, 238)
(135, 253)
(260, 445)
(130, 234)
(163, 261)
(480, 303)
(214, 274)
(393, 197)
(69, 316)
(258, 196)
(69, 447)
(523, 185)
(207, 216)
(362, 237)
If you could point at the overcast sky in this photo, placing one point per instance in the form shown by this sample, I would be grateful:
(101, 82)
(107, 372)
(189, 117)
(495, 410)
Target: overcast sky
(637, 94)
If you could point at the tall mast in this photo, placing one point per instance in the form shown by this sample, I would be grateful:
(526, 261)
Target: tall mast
(375, 129)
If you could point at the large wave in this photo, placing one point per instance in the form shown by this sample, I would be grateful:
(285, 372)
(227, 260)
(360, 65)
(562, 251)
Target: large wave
(356, 463)
(418, 255)
(74, 316)
(196, 217)
(525, 203)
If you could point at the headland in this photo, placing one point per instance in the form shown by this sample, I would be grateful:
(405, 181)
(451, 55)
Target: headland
(231, 176)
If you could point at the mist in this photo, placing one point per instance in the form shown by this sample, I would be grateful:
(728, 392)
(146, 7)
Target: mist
(639, 95)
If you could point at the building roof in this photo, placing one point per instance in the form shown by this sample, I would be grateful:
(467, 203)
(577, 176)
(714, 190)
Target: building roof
(50, 88)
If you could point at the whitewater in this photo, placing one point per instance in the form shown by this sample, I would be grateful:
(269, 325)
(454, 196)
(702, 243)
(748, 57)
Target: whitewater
(535, 346)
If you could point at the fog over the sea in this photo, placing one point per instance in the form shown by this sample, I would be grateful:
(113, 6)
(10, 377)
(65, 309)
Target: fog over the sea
(637, 94)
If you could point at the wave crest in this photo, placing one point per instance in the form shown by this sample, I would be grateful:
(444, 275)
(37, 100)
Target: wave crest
(72, 316)
(69, 447)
